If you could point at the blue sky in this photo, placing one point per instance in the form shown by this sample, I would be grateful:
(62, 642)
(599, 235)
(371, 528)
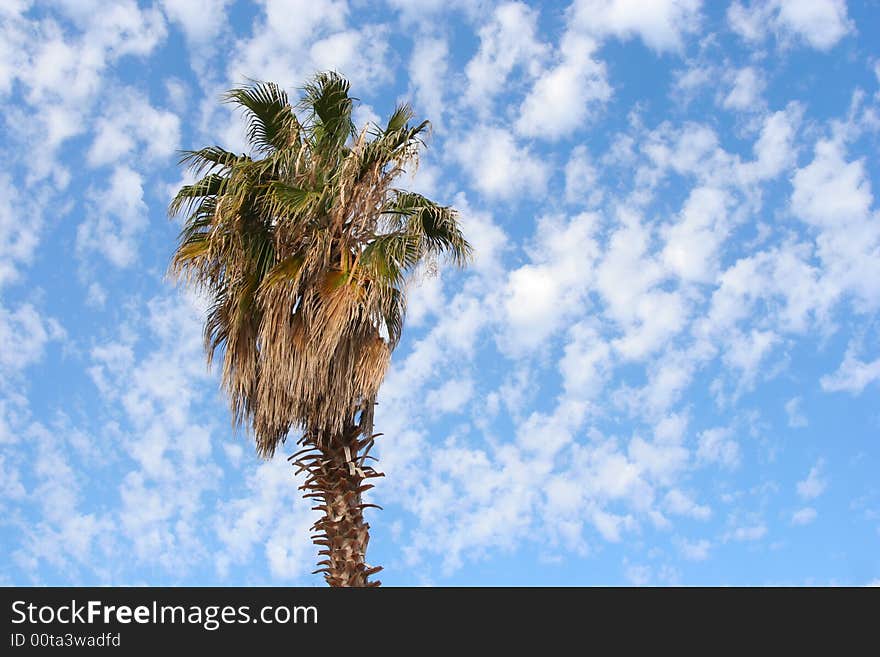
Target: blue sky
(663, 366)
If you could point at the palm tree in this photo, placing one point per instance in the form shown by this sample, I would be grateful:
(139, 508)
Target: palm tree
(305, 247)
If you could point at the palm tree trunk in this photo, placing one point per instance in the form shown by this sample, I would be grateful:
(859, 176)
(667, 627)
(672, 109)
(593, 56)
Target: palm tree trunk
(336, 473)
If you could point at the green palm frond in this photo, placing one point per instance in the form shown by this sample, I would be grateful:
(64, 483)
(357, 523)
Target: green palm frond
(326, 99)
(286, 200)
(211, 158)
(399, 118)
(191, 195)
(437, 224)
(393, 313)
(272, 124)
(390, 256)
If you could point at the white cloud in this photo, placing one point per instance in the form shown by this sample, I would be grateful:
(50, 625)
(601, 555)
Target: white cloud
(539, 296)
(671, 428)
(627, 272)
(291, 39)
(747, 351)
(486, 237)
(582, 179)
(201, 20)
(499, 167)
(803, 516)
(96, 295)
(18, 239)
(774, 150)
(668, 376)
(660, 462)
(564, 96)
(693, 150)
(451, 397)
(531, 305)
(692, 243)
(178, 94)
(24, 334)
(267, 515)
(692, 78)
(661, 24)
(779, 274)
(507, 41)
(151, 433)
(586, 363)
(718, 446)
(679, 503)
(425, 12)
(609, 525)
(627, 279)
(748, 533)
(463, 496)
(747, 84)
(11, 488)
(820, 23)
(695, 550)
(62, 71)
(13, 44)
(62, 535)
(427, 72)
(796, 417)
(131, 122)
(424, 297)
(833, 196)
(546, 434)
(853, 375)
(830, 191)
(122, 27)
(151, 407)
(360, 54)
(362, 114)
(117, 215)
(610, 476)
(459, 510)
(815, 483)
(638, 574)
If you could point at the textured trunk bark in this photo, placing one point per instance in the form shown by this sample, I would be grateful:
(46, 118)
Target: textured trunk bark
(336, 476)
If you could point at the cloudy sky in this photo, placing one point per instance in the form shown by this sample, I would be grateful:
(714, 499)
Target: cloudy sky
(663, 366)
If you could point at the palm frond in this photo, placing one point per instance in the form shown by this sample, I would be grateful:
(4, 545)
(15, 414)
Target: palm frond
(210, 158)
(188, 195)
(327, 101)
(286, 200)
(272, 124)
(399, 118)
(437, 224)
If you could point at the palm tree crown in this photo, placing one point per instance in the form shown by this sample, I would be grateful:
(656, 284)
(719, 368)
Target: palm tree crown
(304, 247)
(305, 251)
